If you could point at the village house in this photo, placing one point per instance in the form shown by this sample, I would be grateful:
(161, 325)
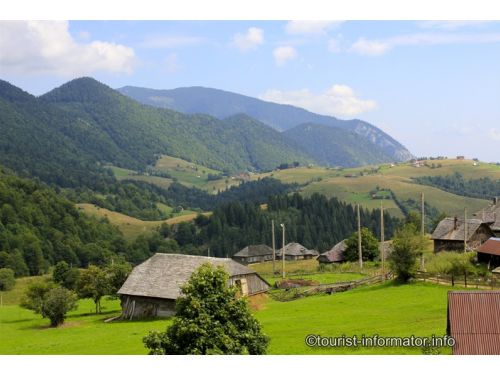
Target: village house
(489, 253)
(473, 320)
(254, 254)
(334, 255)
(491, 216)
(451, 233)
(154, 285)
(295, 251)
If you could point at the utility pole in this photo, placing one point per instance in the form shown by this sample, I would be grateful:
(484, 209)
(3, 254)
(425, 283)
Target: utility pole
(274, 248)
(382, 250)
(422, 230)
(360, 251)
(283, 250)
(465, 229)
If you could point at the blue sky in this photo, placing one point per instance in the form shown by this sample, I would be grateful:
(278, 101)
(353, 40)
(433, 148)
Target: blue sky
(434, 86)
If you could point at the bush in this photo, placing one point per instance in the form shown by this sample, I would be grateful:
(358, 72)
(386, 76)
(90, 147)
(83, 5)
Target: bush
(50, 300)
(210, 319)
(407, 245)
(7, 280)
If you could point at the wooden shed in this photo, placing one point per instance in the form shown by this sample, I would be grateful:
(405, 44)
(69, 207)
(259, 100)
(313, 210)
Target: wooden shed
(295, 251)
(451, 233)
(489, 253)
(491, 216)
(473, 320)
(254, 254)
(154, 285)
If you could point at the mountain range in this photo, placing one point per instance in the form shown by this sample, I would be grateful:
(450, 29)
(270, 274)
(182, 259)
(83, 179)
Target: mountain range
(65, 136)
(281, 117)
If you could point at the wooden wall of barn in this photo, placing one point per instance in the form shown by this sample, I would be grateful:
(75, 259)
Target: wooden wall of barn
(254, 283)
(137, 307)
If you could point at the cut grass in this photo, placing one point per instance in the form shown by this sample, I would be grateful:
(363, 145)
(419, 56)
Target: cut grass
(322, 278)
(388, 310)
(130, 226)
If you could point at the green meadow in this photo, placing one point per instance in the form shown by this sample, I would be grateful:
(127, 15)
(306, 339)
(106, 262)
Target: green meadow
(386, 309)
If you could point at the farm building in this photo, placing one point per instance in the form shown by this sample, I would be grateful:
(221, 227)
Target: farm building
(491, 216)
(489, 253)
(473, 320)
(254, 254)
(451, 233)
(295, 251)
(334, 255)
(154, 285)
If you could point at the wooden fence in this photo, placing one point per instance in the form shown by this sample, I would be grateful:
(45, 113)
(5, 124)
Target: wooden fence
(299, 292)
(467, 281)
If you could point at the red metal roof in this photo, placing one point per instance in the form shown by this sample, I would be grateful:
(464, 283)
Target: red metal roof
(474, 321)
(492, 246)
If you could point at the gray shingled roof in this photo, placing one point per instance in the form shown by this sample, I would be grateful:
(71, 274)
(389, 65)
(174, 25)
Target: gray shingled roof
(446, 229)
(296, 249)
(336, 253)
(490, 215)
(162, 275)
(254, 250)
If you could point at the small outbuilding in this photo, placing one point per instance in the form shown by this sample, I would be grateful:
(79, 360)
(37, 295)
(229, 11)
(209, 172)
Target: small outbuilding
(489, 253)
(491, 216)
(154, 285)
(473, 320)
(451, 233)
(295, 251)
(254, 254)
(334, 255)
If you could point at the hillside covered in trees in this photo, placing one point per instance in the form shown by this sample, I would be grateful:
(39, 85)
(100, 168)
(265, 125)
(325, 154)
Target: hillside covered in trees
(38, 228)
(483, 187)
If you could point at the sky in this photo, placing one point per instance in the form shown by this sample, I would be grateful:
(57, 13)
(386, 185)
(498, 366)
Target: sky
(432, 85)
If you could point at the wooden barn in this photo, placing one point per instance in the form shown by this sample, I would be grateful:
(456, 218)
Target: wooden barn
(451, 233)
(254, 254)
(295, 251)
(489, 253)
(473, 320)
(334, 255)
(154, 285)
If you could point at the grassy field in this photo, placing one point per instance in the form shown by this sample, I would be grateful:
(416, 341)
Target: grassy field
(388, 310)
(322, 278)
(128, 174)
(130, 226)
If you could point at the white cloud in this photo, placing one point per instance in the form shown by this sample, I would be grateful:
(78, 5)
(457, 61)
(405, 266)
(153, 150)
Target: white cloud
(334, 45)
(338, 100)
(377, 47)
(171, 41)
(495, 134)
(310, 27)
(283, 54)
(47, 47)
(250, 40)
(450, 25)
(172, 63)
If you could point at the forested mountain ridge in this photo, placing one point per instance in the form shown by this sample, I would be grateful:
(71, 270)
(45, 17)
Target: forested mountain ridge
(222, 104)
(144, 132)
(335, 146)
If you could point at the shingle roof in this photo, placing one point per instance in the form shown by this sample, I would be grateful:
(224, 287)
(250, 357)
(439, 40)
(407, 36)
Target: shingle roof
(296, 249)
(254, 250)
(492, 246)
(474, 321)
(162, 275)
(336, 253)
(446, 229)
(490, 215)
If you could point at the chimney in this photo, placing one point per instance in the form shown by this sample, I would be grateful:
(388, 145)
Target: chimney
(455, 221)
